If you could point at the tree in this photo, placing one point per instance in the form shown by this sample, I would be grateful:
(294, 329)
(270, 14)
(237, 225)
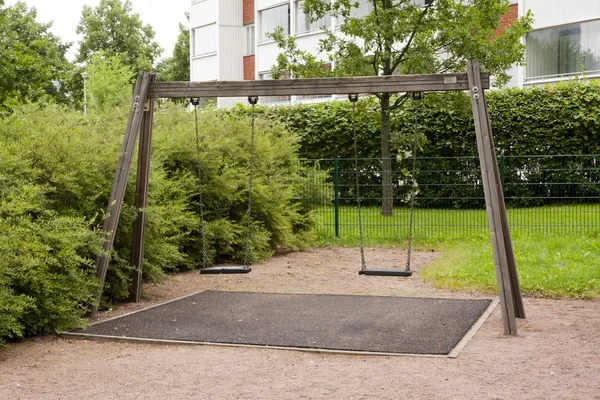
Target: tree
(109, 82)
(112, 28)
(403, 37)
(177, 67)
(31, 57)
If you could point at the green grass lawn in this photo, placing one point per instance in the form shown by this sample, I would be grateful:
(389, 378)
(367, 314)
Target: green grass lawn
(557, 249)
(548, 266)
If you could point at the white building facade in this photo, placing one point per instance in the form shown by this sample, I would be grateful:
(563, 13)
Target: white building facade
(229, 39)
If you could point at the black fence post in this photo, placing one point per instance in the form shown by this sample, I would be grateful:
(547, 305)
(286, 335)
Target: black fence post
(336, 189)
(502, 166)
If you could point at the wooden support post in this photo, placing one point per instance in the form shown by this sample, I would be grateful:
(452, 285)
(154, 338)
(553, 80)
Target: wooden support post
(115, 201)
(141, 197)
(511, 302)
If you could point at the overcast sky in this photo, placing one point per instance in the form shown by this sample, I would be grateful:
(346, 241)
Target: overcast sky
(163, 15)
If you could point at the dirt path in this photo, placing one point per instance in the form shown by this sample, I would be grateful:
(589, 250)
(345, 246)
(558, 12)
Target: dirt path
(556, 356)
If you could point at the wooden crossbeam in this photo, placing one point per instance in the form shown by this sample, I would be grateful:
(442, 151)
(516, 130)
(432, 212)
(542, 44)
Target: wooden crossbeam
(318, 86)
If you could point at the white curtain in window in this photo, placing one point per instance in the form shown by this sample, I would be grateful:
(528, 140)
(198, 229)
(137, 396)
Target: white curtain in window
(272, 18)
(302, 23)
(250, 40)
(205, 39)
(364, 8)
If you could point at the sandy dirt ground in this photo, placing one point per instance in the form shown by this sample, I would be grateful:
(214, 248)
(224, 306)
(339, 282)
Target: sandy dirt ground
(555, 356)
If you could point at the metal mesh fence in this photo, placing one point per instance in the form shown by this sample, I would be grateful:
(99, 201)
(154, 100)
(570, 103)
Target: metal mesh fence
(553, 194)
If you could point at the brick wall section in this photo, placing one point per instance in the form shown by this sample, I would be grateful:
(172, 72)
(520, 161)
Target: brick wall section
(249, 71)
(248, 12)
(507, 19)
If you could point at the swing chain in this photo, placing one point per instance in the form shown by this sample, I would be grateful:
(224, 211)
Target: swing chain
(253, 100)
(353, 99)
(195, 102)
(417, 96)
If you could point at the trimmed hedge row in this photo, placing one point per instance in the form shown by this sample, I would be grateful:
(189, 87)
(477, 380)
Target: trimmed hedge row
(559, 119)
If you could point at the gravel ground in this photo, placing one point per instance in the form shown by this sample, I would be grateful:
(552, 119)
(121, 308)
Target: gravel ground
(555, 356)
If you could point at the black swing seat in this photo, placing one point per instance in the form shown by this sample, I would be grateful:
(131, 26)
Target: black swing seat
(226, 270)
(385, 272)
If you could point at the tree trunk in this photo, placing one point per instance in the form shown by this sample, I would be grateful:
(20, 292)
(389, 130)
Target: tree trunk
(386, 162)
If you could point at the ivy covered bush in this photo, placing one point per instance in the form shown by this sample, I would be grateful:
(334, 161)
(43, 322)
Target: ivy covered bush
(56, 172)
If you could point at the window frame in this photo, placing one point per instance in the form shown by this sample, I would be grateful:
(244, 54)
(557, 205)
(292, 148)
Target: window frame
(212, 42)
(262, 35)
(540, 52)
(323, 22)
(250, 49)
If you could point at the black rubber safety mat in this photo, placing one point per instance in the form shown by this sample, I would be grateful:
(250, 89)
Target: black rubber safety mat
(331, 322)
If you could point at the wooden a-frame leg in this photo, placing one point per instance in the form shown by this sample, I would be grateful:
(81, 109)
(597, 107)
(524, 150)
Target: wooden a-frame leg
(511, 302)
(115, 202)
(141, 198)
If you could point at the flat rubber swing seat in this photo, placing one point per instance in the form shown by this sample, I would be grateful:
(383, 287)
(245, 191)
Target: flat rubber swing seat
(226, 270)
(385, 272)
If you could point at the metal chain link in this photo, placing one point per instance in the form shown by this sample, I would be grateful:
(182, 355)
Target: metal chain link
(413, 183)
(363, 264)
(253, 101)
(199, 174)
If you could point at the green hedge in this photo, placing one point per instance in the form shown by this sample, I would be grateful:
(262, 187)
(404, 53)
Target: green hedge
(558, 119)
(56, 174)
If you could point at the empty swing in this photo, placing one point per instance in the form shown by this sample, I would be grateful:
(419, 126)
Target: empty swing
(406, 272)
(237, 269)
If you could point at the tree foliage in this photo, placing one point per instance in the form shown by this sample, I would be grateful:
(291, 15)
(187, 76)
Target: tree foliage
(177, 67)
(111, 27)
(31, 57)
(402, 37)
(109, 82)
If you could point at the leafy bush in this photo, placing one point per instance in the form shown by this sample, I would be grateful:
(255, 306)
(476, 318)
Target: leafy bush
(55, 180)
(277, 220)
(557, 119)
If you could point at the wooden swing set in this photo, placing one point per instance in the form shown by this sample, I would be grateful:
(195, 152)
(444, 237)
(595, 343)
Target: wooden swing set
(140, 123)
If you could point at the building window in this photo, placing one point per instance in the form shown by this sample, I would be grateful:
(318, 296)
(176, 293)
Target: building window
(250, 40)
(205, 39)
(423, 3)
(364, 8)
(302, 22)
(272, 18)
(563, 51)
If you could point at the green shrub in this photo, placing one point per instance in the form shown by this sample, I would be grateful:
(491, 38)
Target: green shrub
(277, 220)
(56, 176)
(537, 121)
(554, 119)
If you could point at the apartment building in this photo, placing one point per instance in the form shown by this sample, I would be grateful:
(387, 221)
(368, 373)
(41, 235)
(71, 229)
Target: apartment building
(564, 43)
(229, 39)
